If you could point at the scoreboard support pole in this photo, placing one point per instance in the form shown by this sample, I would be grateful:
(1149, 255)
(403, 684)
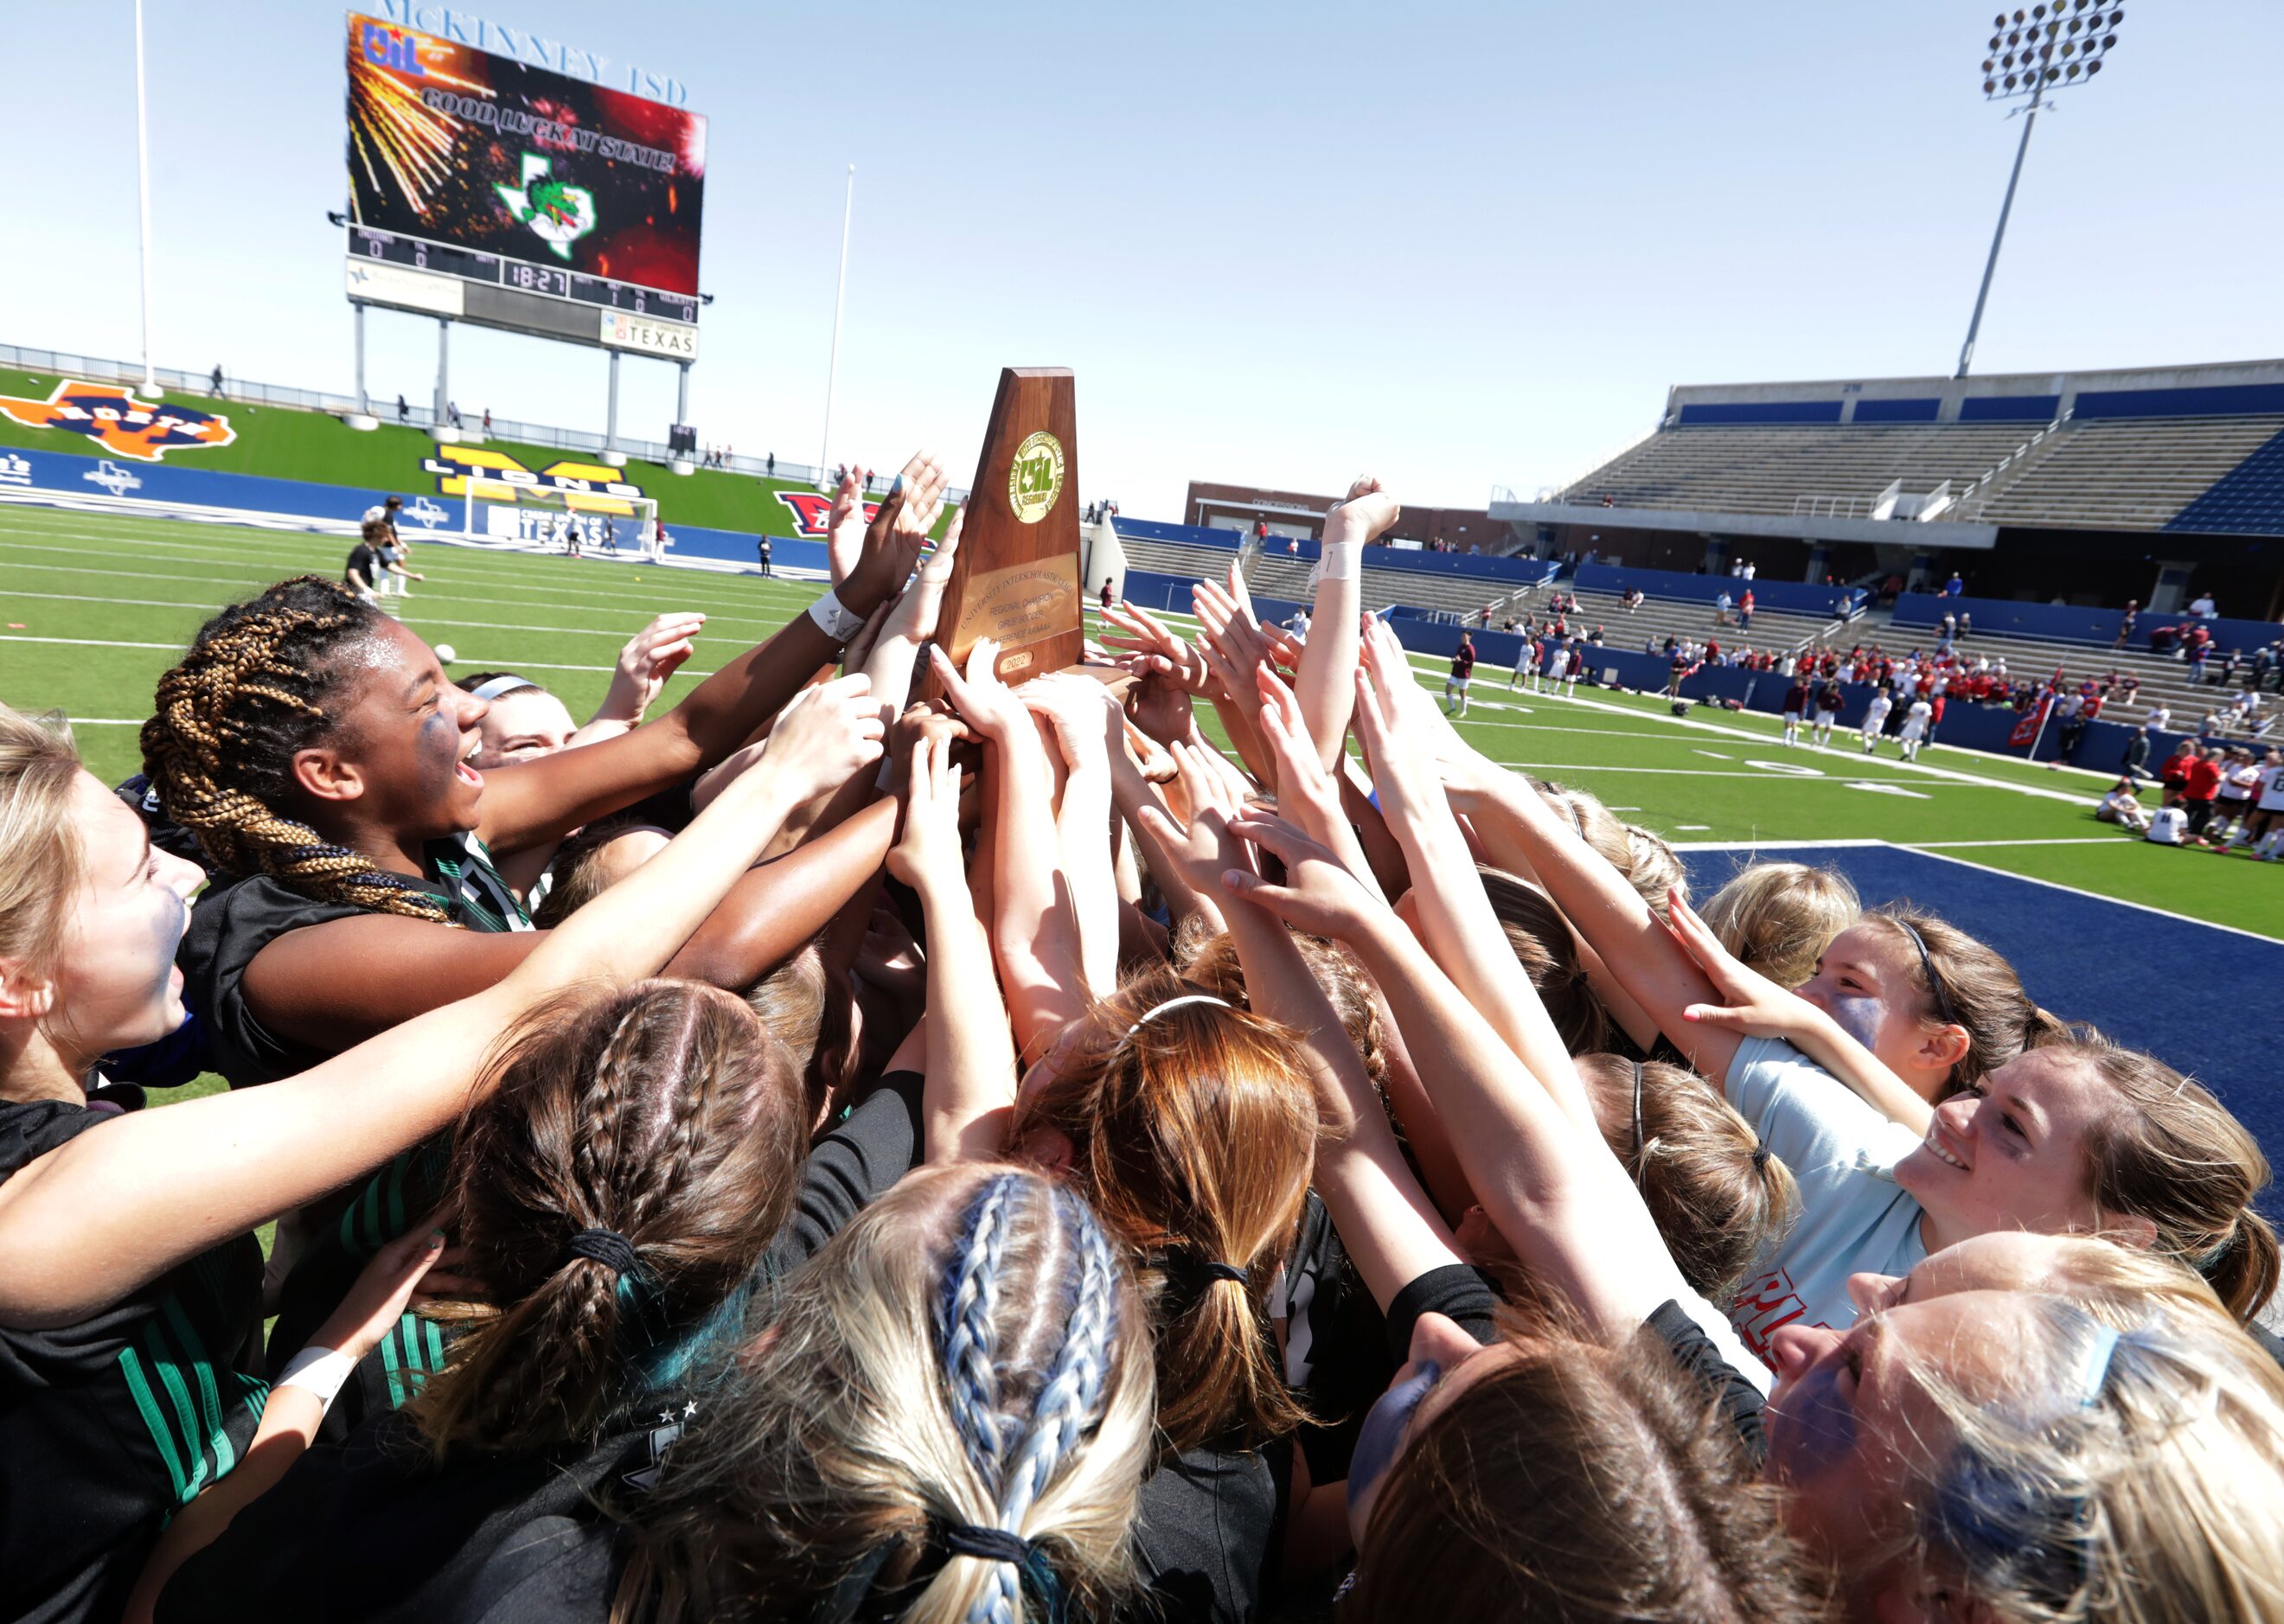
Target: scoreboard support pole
(682, 393)
(365, 403)
(611, 421)
(443, 365)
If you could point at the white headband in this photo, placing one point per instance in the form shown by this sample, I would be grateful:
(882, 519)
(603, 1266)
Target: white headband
(506, 682)
(1151, 1013)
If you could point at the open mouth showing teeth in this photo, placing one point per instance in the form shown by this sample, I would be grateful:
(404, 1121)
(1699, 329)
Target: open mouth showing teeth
(1945, 1157)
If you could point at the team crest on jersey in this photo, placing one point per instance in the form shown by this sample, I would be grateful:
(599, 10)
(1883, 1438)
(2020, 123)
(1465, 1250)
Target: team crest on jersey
(110, 416)
(812, 512)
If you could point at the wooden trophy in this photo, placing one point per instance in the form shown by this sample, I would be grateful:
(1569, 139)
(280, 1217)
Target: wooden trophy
(1015, 578)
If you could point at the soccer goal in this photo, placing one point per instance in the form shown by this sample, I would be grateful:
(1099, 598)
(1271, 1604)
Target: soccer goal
(559, 520)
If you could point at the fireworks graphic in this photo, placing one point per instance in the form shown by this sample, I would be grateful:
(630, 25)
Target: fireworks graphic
(392, 128)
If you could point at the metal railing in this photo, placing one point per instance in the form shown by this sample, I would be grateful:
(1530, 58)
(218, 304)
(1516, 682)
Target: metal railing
(1832, 507)
(471, 427)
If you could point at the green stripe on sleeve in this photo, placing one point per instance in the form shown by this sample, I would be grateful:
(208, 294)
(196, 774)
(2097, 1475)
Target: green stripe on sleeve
(210, 1399)
(138, 1384)
(170, 1378)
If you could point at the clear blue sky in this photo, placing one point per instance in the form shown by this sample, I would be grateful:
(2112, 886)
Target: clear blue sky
(1456, 246)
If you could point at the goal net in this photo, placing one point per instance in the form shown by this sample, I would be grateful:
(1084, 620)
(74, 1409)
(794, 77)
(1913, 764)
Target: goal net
(559, 520)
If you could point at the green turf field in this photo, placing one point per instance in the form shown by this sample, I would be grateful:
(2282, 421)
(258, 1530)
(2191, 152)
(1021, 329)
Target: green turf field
(283, 443)
(93, 608)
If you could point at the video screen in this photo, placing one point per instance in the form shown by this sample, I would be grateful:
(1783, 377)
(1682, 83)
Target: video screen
(478, 150)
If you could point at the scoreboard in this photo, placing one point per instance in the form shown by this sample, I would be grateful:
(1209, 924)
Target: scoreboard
(491, 192)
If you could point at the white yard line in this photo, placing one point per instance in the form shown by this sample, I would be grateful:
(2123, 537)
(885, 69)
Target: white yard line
(415, 618)
(1723, 772)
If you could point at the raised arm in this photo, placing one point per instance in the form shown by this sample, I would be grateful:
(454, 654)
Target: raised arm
(1752, 1005)
(1035, 928)
(1610, 914)
(1457, 925)
(650, 657)
(1386, 1221)
(540, 799)
(1087, 724)
(1553, 1192)
(970, 1060)
(1326, 683)
(113, 1209)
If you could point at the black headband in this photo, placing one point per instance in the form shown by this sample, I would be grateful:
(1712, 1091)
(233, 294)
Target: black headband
(1639, 1147)
(1934, 981)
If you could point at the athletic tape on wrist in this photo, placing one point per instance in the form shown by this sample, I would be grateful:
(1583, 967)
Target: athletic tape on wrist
(834, 622)
(1343, 560)
(321, 1369)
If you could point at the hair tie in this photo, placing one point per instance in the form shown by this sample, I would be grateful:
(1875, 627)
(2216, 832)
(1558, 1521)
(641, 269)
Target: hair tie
(1761, 1156)
(1154, 1011)
(2097, 1359)
(988, 1545)
(506, 682)
(1216, 1270)
(608, 1247)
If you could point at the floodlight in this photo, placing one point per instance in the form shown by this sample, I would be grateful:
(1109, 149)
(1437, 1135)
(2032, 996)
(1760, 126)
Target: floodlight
(2030, 68)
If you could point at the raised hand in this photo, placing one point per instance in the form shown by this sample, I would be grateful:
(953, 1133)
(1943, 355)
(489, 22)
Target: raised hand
(828, 733)
(987, 705)
(1319, 895)
(1399, 777)
(844, 525)
(927, 855)
(1159, 650)
(898, 531)
(1235, 647)
(914, 617)
(387, 1283)
(1203, 850)
(1750, 1002)
(1082, 714)
(1363, 514)
(1307, 797)
(649, 658)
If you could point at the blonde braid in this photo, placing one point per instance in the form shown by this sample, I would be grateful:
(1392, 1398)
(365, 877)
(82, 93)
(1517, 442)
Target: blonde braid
(226, 722)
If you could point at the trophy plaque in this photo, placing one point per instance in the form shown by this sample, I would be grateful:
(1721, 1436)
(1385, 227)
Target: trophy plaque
(1015, 578)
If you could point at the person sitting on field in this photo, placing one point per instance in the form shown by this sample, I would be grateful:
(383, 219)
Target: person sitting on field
(2121, 807)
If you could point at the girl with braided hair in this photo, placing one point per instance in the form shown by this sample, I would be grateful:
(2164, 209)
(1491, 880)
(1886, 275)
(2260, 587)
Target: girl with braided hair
(316, 750)
(949, 1420)
(129, 1279)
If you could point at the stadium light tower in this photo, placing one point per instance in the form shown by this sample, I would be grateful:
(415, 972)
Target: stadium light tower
(2034, 53)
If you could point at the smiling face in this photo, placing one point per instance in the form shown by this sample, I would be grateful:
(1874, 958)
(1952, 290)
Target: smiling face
(115, 979)
(399, 745)
(1863, 981)
(521, 725)
(2011, 1154)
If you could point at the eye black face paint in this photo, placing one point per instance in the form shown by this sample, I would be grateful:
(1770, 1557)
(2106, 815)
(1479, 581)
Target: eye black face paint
(1383, 1429)
(1859, 1017)
(1817, 1426)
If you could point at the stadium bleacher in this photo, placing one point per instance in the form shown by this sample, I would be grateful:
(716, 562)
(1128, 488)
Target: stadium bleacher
(1784, 469)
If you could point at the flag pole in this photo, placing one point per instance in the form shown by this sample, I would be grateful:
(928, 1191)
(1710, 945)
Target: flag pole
(143, 190)
(840, 294)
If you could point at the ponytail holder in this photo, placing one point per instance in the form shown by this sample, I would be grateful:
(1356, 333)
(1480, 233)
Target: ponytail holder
(1761, 1156)
(989, 1545)
(1216, 1270)
(608, 1247)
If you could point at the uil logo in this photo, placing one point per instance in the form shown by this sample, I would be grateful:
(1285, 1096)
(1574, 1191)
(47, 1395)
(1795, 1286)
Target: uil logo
(115, 420)
(1034, 479)
(558, 213)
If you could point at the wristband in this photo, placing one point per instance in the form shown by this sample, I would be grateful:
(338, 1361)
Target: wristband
(834, 622)
(1342, 561)
(321, 1369)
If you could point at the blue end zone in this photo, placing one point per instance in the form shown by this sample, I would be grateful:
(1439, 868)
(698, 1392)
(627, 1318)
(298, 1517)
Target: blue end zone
(2190, 993)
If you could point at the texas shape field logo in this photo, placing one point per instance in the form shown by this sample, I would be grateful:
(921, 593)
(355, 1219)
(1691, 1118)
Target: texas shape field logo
(114, 419)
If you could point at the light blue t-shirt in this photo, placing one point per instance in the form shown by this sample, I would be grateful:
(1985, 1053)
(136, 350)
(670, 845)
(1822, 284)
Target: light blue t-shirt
(1843, 1154)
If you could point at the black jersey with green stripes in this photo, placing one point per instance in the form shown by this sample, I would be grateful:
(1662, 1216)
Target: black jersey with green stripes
(234, 921)
(112, 1423)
